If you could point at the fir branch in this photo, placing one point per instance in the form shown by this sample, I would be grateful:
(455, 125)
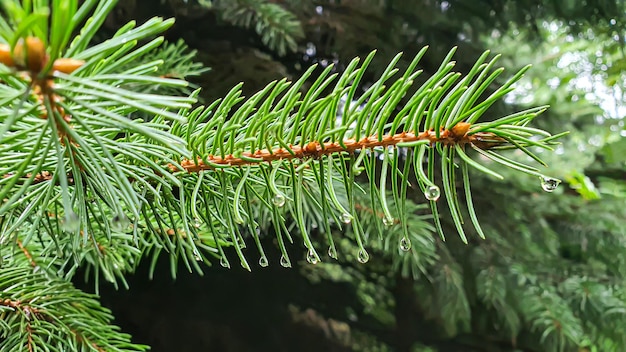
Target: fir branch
(305, 132)
(279, 29)
(41, 311)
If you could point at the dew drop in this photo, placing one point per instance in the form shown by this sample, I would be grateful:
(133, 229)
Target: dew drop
(357, 170)
(432, 193)
(239, 220)
(224, 262)
(549, 184)
(311, 257)
(363, 257)
(284, 262)
(278, 200)
(405, 244)
(346, 218)
(263, 261)
(197, 223)
(241, 243)
(388, 221)
(71, 222)
(120, 222)
(332, 252)
(196, 256)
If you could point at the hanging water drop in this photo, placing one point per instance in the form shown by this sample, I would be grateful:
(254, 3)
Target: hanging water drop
(241, 243)
(71, 222)
(224, 262)
(196, 255)
(120, 222)
(284, 262)
(239, 220)
(263, 261)
(311, 257)
(363, 257)
(346, 218)
(432, 193)
(197, 223)
(278, 200)
(549, 184)
(405, 244)
(388, 221)
(332, 252)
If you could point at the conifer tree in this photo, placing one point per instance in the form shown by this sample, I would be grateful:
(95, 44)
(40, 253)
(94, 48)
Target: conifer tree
(107, 158)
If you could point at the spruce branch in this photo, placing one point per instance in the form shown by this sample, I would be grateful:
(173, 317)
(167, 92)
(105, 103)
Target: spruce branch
(279, 29)
(38, 312)
(280, 127)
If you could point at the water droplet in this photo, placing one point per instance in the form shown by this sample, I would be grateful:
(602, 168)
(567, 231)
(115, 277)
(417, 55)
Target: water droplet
(311, 257)
(432, 193)
(405, 244)
(284, 262)
(549, 184)
(278, 200)
(363, 257)
(197, 223)
(120, 222)
(241, 243)
(71, 222)
(346, 218)
(332, 252)
(357, 170)
(263, 261)
(388, 221)
(197, 256)
(224, 262)
(239, 220)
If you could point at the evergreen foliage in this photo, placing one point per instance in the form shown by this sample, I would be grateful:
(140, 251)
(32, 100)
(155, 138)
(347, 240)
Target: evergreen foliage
(107, 159)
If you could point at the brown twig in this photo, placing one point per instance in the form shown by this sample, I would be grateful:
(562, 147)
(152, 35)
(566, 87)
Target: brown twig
(27, 253)
(457, 135)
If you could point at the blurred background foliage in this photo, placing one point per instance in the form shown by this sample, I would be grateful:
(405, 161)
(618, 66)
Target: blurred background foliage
(551, 275)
